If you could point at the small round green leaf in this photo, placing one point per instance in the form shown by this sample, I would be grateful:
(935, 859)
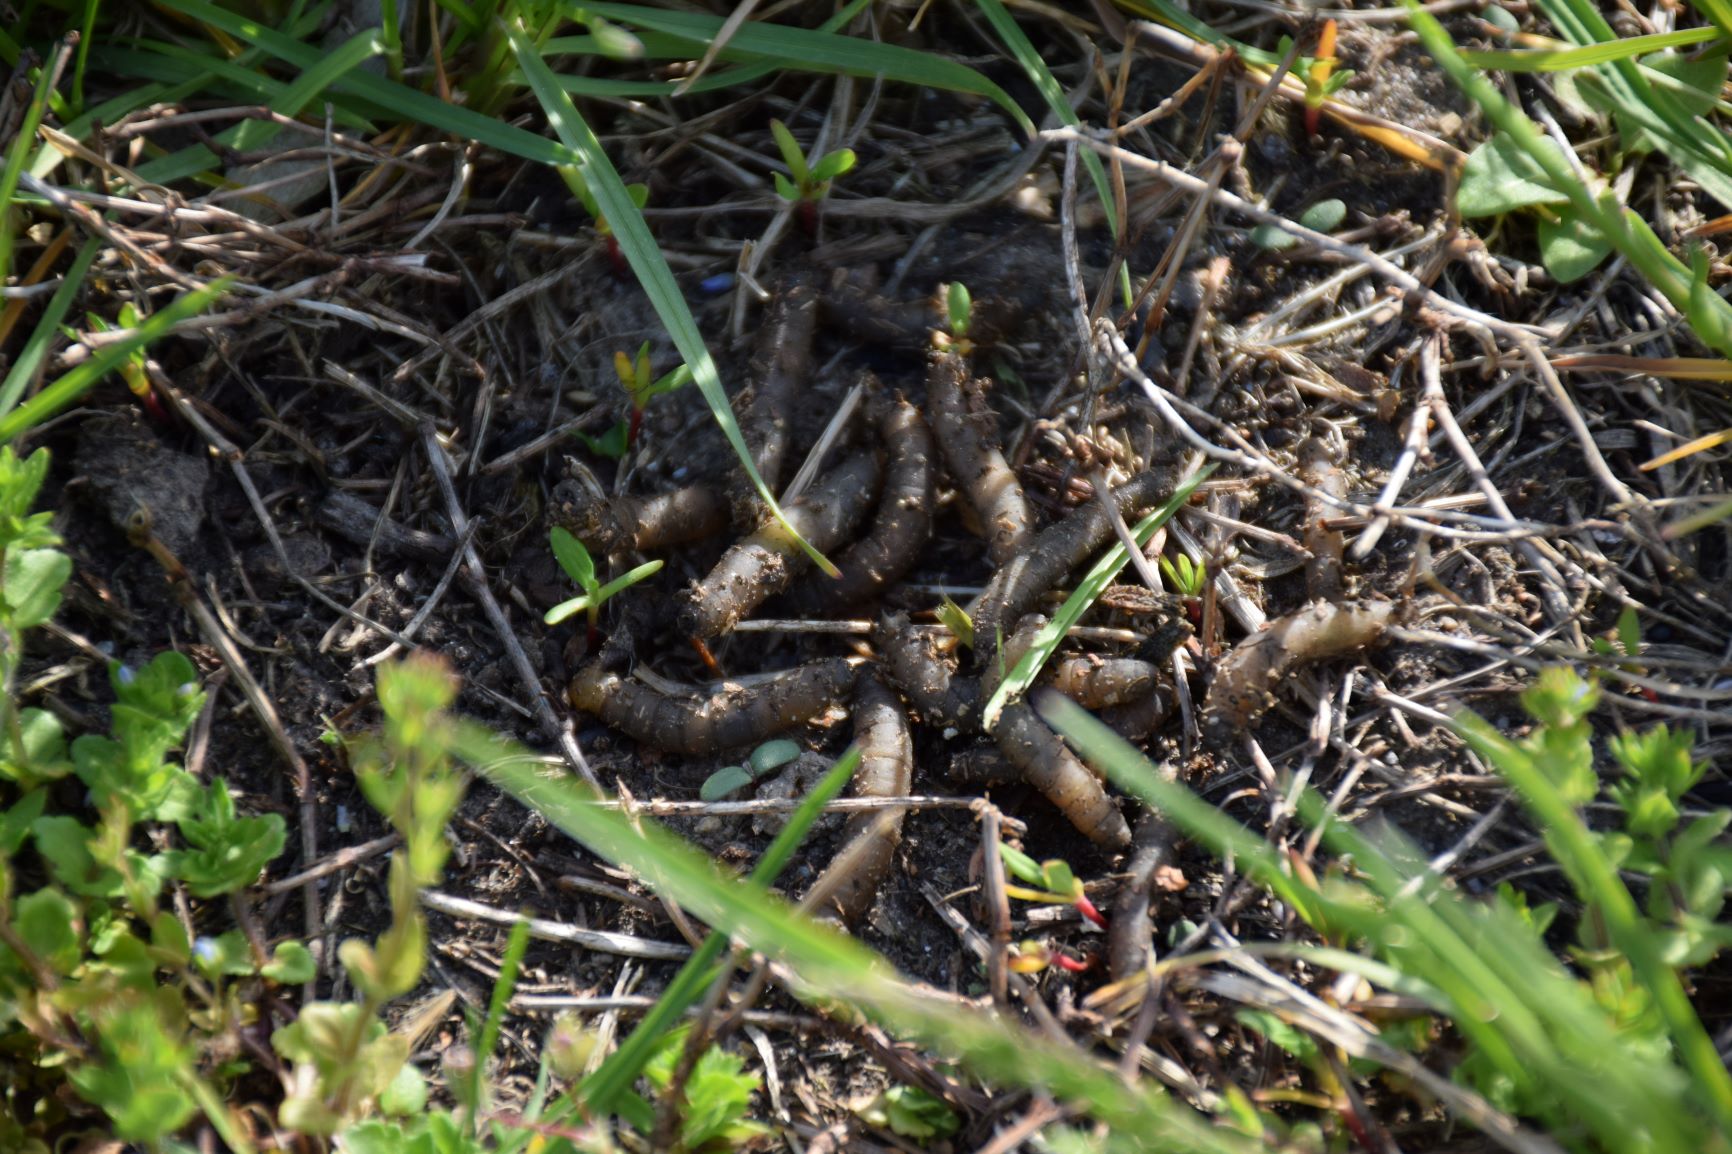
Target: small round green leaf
(724, 783)
(1324, 216)
(773, 755)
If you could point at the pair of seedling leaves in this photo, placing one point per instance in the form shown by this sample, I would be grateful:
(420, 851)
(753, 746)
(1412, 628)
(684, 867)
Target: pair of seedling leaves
(1501, 177)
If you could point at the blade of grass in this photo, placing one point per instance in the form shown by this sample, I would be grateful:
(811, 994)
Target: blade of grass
(77, 380)
(1050, 91)
(1709, 314)
(1087, 592)
(805, 50)
(832, 967)
(1582, 854)
(515, 947)
(19, 154)
(645, 257)
(602, 1090)
(35, 350)
(1564, 59)
(1504, 989)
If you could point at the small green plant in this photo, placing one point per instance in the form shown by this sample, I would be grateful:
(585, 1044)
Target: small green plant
(635, 376)
(132, 368)
(1324, 216)
(910, 1112)
(956, 619)
(580, 567)
(638, 195)
(1319, 73)
(1055, 882)
(811, 180)
(1188, 578)
(717, 1094)
(765, 760)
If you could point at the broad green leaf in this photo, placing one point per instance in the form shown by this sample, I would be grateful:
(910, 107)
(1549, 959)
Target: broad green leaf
(1570, 247)
(725, 782)
(48, 922)
(1501, 176)
(33, 580)
(1324, 216)
(291, 964)
(773, 755)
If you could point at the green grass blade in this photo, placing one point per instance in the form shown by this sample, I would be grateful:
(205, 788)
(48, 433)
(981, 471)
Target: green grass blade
(601, 1090)
(1502, 987)
(515, 947)
(18, 156)
(1029, 57)
(1580, 851)
(836, 968)
(398, 99)
(1709, 313)
(35, 350)
(641, 252)
(1564, 59)
(806, 50)
(1087, 592)
(77, 380)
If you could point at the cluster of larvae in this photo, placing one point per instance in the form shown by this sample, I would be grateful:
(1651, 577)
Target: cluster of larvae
(871, 513)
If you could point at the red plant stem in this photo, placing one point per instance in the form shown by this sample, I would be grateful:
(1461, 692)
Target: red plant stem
(1087, 909)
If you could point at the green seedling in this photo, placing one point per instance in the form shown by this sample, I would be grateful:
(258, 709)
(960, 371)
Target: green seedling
(1188, 578)
(132, 368)
(910, 1112)
(1058, 885)
(956, 619)
(765, 760)
(634, 374)
(639, 194)
(717, 1092)
(811, 180)
(1324, 216)
(580, 567)
(1321, 77)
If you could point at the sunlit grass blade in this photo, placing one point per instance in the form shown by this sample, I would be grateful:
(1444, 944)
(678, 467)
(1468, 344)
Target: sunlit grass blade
(1709, 314)
(18, 155)
(626, 221)
(1504, 989)
(602, 1090)
(35, 350)
(1563, 59)
(1687, 449)
(835, 969)
(806, 50)
(1050, 91)
(1087, 592)
(77, 380)
(398, 99)
(515, 947)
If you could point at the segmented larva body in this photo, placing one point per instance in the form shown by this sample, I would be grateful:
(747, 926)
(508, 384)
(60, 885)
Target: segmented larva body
(967, 434)
(1245, 680)
(886, 770)
(734, 716)
(638, 524)
(926, 677)
(902, 525)
(1049, 556)
(781, 367)
(766, 562)
(1046, 763)
(1321, 469)
(1097, 682)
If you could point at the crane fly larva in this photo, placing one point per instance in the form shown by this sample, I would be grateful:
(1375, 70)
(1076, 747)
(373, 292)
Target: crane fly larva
(967, 434)
(766, 563)
(1097, 682)
(886, 770)
(1129, 931)
(638, 524)
(925, 676)
(781, 367)
(1045, 559)
(733, 716)
(1245, 680)
(904, 520)
(1320, 467)
(1046, 763)
(864, 315)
